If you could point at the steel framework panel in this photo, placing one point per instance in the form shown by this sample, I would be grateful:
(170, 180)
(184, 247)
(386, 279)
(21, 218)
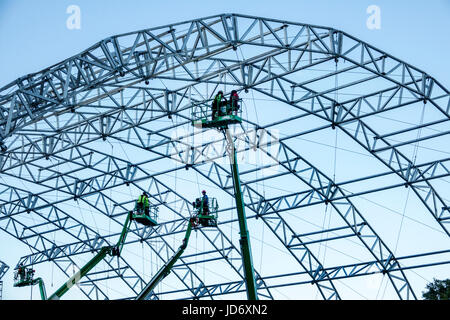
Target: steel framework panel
(59, 126)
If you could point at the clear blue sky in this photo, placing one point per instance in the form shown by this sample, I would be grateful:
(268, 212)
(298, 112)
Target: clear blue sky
(34, 35)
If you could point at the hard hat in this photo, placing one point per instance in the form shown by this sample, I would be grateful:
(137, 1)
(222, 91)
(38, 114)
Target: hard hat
(203, 191)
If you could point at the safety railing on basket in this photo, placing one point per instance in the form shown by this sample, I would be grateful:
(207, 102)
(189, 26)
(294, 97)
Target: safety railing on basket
(208, 112)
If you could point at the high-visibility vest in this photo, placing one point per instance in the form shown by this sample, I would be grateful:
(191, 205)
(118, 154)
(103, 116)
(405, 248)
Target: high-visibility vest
(143, 199)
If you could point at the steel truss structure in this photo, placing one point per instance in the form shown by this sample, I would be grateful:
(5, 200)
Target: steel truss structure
(3, 269)
(82, 138)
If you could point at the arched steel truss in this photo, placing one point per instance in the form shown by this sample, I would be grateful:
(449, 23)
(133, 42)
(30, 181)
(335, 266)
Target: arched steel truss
(123, 88)
(3, 269)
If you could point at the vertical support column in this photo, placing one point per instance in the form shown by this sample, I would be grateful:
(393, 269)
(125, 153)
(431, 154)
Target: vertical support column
(244, 240)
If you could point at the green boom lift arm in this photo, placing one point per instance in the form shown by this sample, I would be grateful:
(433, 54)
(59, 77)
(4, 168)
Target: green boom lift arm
(165, 269)
(24, 277)
(112, 251)
(200, 120)
(244, 240)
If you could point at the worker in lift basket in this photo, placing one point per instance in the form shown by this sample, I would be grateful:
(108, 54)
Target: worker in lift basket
(21, 272)
(233, 106)
(205, 209)
(205, 203)
(142, 205)
(218, 105)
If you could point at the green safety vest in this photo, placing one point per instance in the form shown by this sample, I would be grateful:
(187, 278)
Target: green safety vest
(144, 200)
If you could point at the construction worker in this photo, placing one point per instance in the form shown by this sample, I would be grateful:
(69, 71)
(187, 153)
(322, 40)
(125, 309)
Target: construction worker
(218, 105)
(21, 272)
(142, 205)
(233, 106)
(205, 203)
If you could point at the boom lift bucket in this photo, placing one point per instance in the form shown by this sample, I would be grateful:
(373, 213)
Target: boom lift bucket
(202, 115)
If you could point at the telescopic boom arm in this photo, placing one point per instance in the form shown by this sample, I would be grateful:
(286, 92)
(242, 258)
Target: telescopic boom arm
(113, 251)
(165, 270)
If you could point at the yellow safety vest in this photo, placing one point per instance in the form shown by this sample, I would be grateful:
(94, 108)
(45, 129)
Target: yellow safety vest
(143, 199)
